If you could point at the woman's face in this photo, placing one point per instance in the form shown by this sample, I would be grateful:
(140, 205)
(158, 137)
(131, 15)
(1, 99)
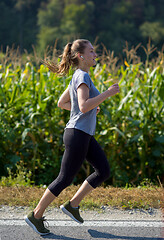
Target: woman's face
(89, 55)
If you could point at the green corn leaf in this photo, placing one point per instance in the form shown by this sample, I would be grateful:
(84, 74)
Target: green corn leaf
(117, 130)
(25, 132)
(13, 94)
(124, 100)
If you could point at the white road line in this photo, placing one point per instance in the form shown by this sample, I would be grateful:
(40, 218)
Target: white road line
(107, 223)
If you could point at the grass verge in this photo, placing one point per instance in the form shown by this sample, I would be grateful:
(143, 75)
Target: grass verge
(123, 198)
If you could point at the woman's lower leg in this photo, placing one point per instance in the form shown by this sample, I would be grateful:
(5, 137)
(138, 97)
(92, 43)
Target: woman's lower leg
(46, 199)
(81, 193)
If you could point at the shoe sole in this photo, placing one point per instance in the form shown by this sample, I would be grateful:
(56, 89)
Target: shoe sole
(69, 214)
(33, 227)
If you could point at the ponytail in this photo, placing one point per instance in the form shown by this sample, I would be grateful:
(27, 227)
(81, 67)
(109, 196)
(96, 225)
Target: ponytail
(66, 59)
(69, 57)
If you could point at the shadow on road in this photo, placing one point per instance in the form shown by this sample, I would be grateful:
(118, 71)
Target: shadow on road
(54, 236)
(97, 234)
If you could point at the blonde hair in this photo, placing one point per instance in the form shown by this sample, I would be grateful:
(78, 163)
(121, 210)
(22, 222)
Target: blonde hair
(69, 56)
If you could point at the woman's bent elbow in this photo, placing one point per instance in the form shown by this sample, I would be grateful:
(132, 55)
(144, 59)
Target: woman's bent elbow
(83, 109)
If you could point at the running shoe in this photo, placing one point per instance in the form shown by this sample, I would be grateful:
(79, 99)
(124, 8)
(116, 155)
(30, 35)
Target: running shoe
(37, 224)
(72, 212)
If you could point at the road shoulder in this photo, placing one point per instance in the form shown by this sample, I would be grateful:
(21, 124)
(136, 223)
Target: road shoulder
(104, 213)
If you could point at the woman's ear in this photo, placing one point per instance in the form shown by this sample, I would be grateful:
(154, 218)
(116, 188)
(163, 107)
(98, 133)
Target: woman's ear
(79, 55)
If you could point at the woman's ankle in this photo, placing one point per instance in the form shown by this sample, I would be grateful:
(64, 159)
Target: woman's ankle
(37, 214)
(73, 204)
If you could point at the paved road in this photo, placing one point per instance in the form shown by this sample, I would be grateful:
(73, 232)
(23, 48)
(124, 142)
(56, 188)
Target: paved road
(108, 224)
(98, 229)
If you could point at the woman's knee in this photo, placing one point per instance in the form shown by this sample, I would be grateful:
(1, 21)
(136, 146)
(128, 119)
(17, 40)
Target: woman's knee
(65, 181)
(59, 184)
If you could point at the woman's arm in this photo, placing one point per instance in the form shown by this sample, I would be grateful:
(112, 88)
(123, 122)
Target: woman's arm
(64, 101)
(86, 104)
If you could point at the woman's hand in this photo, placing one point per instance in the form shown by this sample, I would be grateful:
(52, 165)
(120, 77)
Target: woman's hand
(114, 89)
(98, 110)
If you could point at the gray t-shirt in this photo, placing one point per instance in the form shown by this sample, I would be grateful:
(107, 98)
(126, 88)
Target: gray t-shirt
(83, 121)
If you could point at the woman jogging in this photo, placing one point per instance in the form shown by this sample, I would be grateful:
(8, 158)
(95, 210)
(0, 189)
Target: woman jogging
(82, 99)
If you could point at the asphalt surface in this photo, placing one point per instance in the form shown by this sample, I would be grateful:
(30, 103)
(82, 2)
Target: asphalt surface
(111, 224)
(142, 231)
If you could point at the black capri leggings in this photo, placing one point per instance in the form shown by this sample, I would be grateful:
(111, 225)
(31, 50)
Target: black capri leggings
(78, 147)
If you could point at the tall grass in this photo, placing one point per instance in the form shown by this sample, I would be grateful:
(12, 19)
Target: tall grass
(129, 126)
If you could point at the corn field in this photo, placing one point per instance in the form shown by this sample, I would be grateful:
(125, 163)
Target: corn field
(129, 125)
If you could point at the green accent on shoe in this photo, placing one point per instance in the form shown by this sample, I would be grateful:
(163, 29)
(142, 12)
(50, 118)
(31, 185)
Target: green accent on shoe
(72, 212)
(37, 224)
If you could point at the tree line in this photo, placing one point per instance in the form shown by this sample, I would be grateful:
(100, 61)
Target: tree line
(41, 23)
